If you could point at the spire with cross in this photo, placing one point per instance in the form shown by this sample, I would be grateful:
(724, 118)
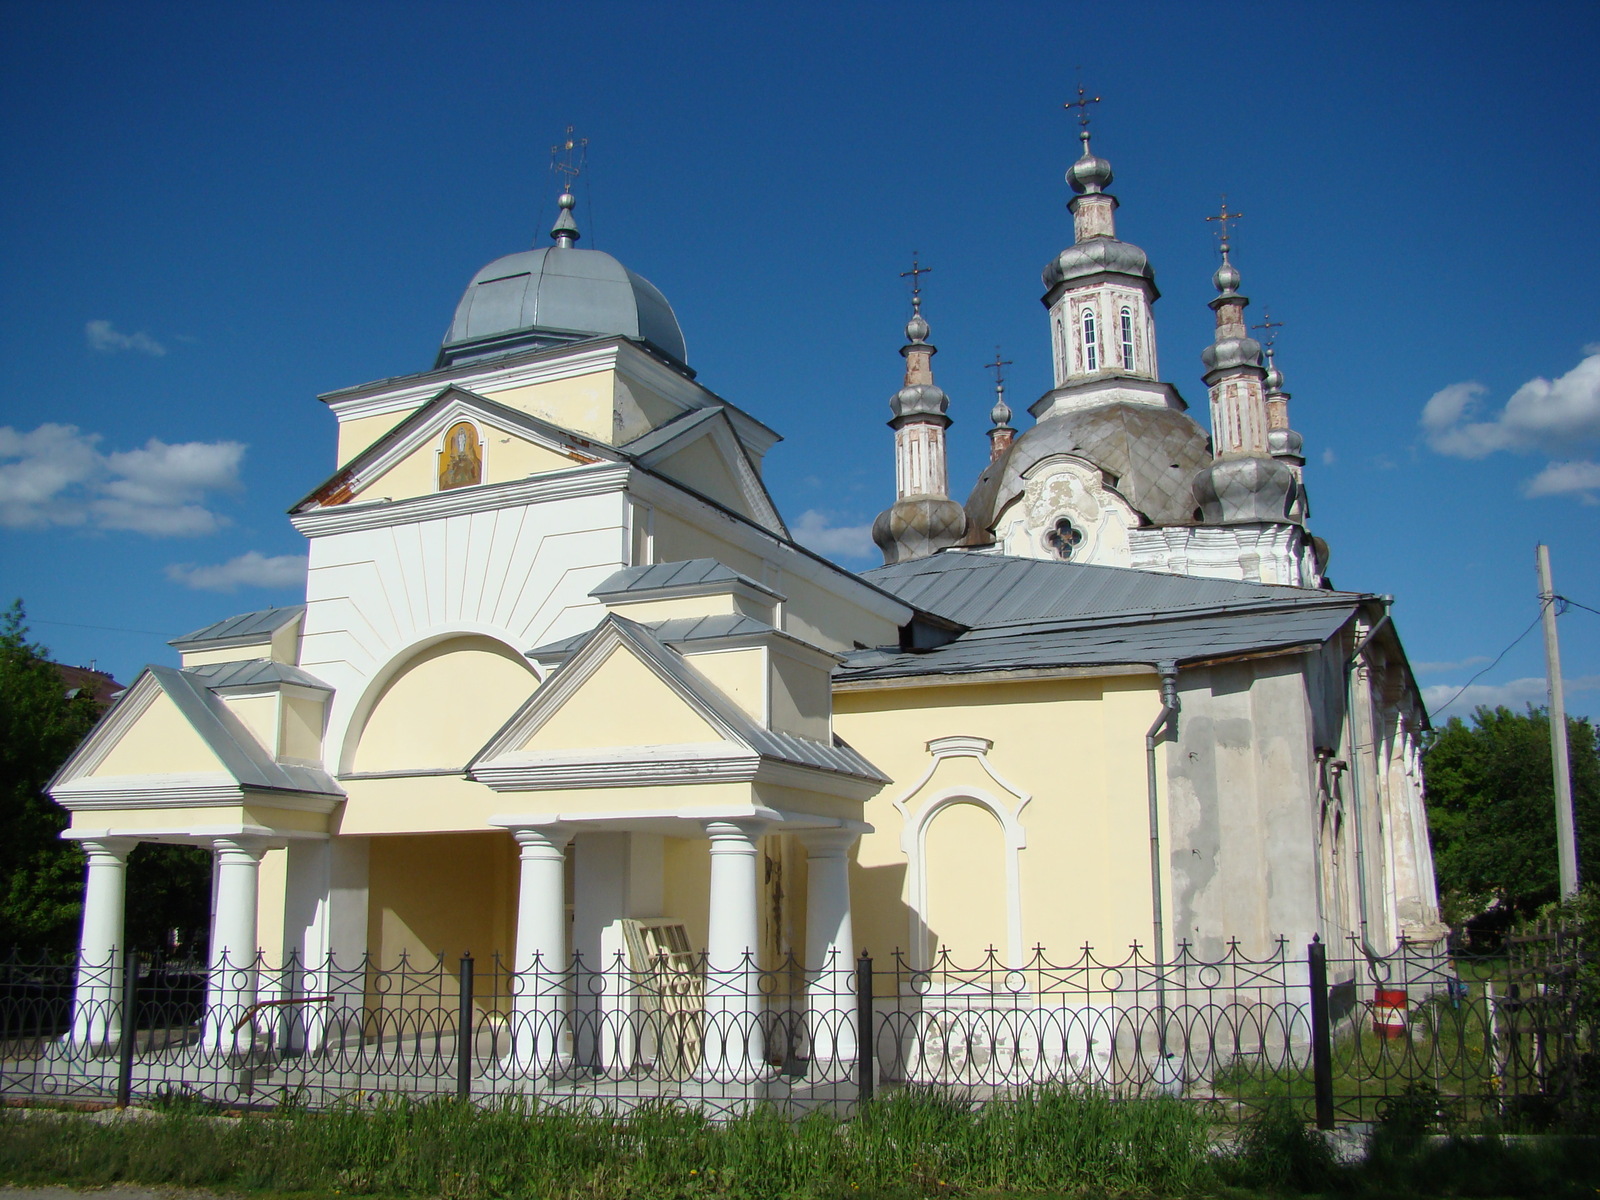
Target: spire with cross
(1082, 105)
(1000, 414)
(567, 159)
(1223, 217)
(915, 275)
(1269, 327)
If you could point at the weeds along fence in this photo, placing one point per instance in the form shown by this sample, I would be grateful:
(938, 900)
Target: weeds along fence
(1340, 1034)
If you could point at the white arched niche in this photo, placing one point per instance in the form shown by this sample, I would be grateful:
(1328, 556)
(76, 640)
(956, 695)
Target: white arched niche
(920, 809)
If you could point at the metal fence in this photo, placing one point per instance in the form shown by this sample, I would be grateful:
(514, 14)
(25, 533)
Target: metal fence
(1342, 1035)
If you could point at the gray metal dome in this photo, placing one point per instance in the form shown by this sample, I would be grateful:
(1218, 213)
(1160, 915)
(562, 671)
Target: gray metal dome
(555, 295)
(1095, 255)
(1150, 454)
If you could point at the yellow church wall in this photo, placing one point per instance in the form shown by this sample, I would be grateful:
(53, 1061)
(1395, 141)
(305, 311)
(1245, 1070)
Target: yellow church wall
(640, 409)
(357, 433)
(443, 894)
(506, 455)
(811, 613)
(285, 645)
(179, 817)
(802, 695)
(443, 705)
(272, 883)
(700, 465)
(1075, 747)
(585, 404)
(161, 742)
(965, 855)
(741, 675)
(624, 703)
(686, 885)
(302, 721)
(228, 654)
(674, 607)
(260, 717)
(410, 804)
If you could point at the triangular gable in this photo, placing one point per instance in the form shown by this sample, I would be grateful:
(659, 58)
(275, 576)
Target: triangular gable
(702, 451)
(168, 723)
(743, 746)
(577, 707)
(405, 456)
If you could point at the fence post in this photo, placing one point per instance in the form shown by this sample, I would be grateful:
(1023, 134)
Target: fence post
(866, 1071)
(1321, 1033)
(130, 1028)
(464, 1024)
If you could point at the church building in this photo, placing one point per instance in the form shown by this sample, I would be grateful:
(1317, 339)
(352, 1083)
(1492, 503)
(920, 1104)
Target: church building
(561, 666)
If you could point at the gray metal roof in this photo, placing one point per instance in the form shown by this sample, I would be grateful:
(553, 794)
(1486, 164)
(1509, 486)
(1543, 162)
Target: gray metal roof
(1179, 640)
(254, 673)
(690, 573)
(671, 633)
(661, 435)
(242, 630)
(242, 756)
(564, 290)
(979, 590)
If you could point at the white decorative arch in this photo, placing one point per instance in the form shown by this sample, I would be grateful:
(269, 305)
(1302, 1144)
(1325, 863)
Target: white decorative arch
(344, 733)
(914, 837)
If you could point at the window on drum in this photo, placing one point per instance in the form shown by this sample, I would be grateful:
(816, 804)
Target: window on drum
(1091, 346)
(1127, 337)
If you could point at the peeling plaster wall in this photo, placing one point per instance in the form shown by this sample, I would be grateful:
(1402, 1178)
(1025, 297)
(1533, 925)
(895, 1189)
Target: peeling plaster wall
(1242, 807)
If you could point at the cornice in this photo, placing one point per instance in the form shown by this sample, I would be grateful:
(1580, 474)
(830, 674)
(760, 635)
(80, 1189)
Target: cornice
(189, 790)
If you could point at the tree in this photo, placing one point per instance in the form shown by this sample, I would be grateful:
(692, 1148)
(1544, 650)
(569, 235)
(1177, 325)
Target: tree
(1491, 812)
(41, 874)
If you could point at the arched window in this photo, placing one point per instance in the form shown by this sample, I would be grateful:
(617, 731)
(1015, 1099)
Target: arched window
(1091, 347)
(1127, 337)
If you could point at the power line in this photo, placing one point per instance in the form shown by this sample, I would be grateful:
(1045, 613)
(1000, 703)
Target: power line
(1568, 600)
(105, 628)
(1496, 661)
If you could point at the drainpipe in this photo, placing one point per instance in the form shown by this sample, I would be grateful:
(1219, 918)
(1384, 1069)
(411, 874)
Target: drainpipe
(1166, 720)
(1357, 776)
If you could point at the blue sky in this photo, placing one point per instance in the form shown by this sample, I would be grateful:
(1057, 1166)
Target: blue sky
(213, 213)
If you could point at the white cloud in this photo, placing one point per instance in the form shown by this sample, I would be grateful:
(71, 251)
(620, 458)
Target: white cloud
(815, 530)
(1542, 414)
(1513, 695)
(1329, 457)
(1581, 479)
(57, 475)
(107, 339)
(253, 569)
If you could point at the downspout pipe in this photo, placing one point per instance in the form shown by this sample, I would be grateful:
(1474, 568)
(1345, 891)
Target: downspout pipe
(1357, 775)
(1166, 723)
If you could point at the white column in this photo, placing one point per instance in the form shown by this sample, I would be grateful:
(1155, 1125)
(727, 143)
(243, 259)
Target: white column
(733, 1047)
(231, 991)
(97, 997)
(542, 997)
(830, 945)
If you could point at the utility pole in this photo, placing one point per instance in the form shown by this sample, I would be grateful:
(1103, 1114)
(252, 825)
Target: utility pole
(1566, 841)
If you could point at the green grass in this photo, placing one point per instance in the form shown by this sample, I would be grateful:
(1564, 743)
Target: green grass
(1050, 1143)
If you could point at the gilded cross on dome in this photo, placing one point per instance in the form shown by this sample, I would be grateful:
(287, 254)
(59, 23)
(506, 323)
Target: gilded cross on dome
(1223, 217)
(562, 158)
(998, 367)
(1270, 327)
(1082, 105)
(915, 274)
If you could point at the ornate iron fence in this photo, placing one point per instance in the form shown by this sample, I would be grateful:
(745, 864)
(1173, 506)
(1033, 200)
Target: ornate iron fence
(1343, 1035)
